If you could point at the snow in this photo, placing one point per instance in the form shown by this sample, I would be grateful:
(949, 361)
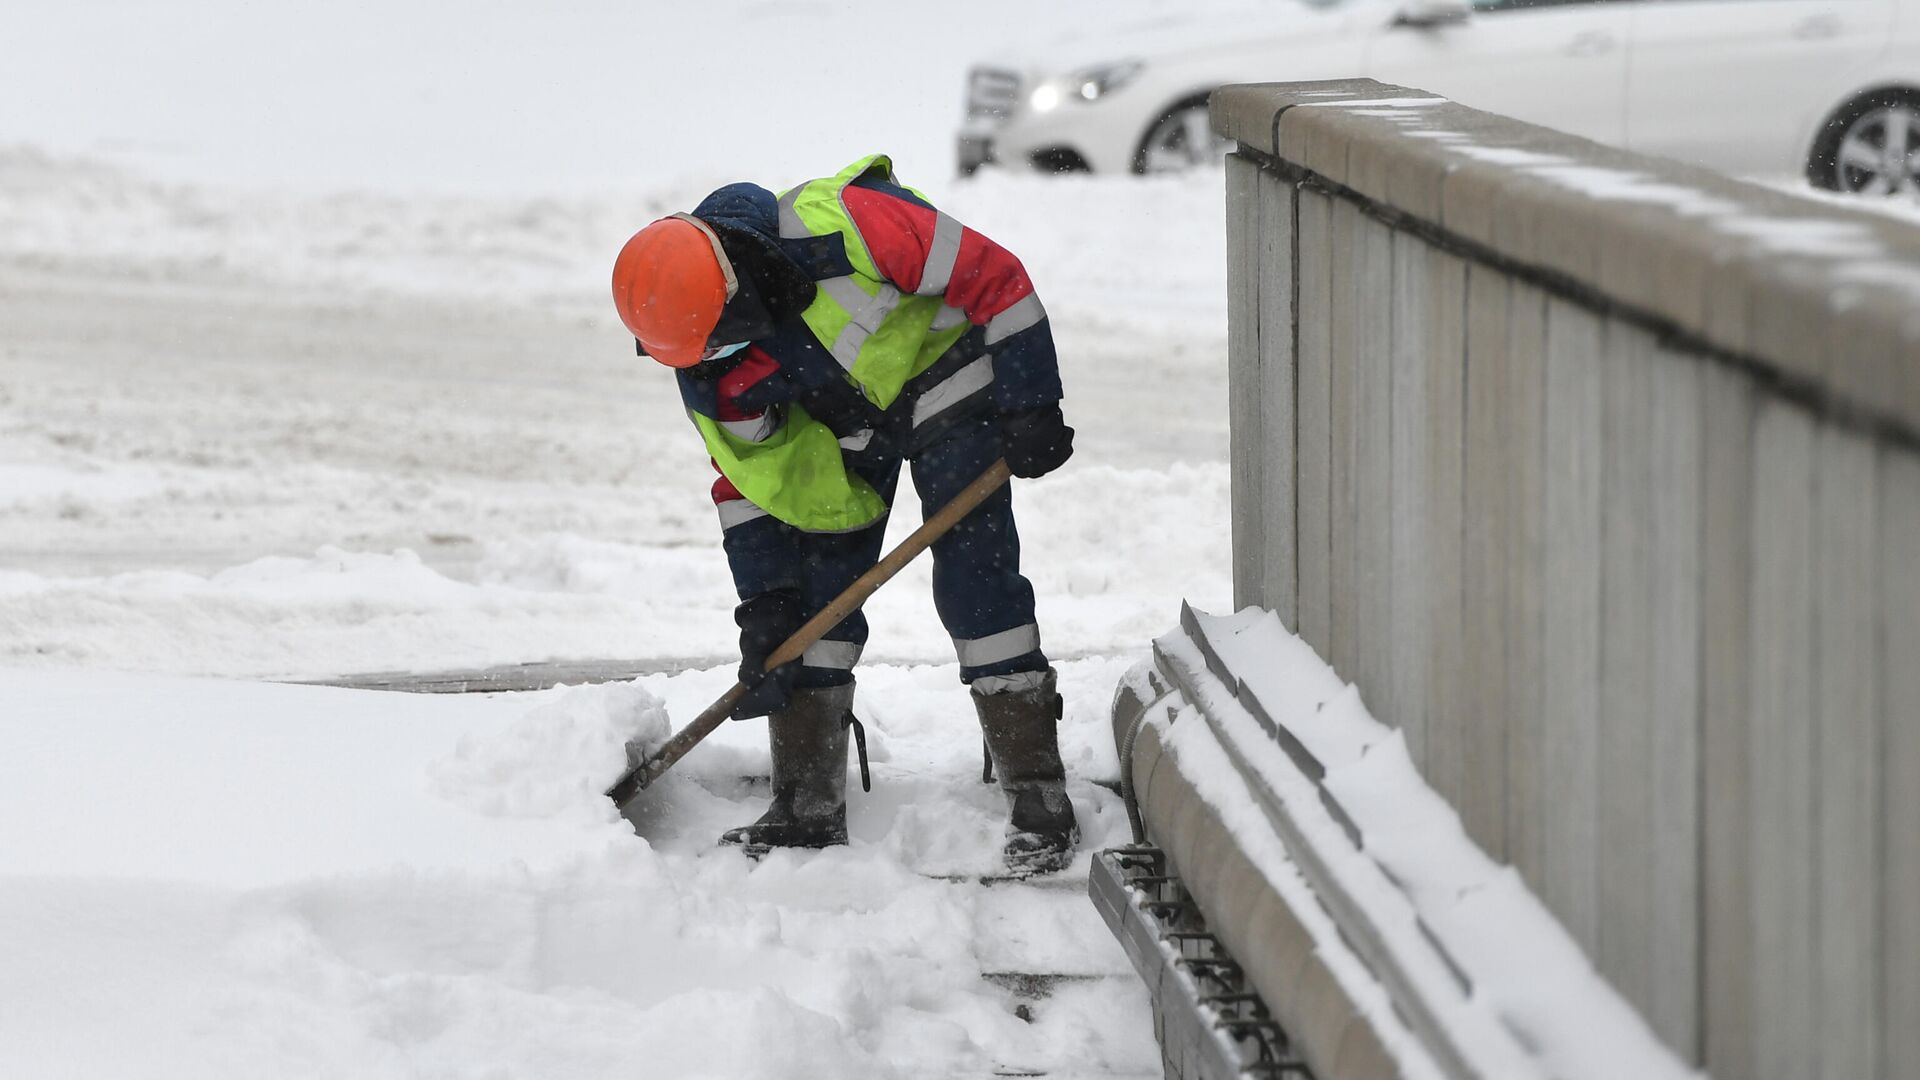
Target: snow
(220, 878)
(304, 375)
(439, 95)
(267, 880)
(1202, 757)
(1536, 1004)
(452, 466)
(242, 879)
(546, 596)
(1379, 106)
(1857, 250)
(239, 879)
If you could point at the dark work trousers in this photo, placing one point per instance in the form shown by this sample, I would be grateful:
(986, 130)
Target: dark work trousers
(983, 600)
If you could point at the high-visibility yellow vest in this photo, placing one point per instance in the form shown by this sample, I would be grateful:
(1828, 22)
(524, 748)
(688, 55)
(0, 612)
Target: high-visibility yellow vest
(881, 337)
(796, 474)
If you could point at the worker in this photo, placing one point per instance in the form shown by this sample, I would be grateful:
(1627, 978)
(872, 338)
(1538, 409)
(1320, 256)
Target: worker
(821, 338)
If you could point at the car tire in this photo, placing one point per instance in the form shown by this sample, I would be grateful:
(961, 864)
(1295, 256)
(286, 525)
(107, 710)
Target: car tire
(1179, 140)
(1857, 148)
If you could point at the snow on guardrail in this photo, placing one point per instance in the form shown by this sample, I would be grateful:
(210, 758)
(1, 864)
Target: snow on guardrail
(1458, 967)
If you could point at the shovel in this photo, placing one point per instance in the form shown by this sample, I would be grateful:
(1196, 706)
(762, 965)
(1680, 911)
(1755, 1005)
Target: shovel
(638, 776)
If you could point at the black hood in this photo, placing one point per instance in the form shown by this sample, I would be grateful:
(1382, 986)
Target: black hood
(773, 288)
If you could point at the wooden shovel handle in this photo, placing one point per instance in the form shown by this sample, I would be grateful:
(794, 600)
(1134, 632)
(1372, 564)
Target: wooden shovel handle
(845, 604)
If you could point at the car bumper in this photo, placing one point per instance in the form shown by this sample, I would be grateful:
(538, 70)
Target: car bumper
(1015, 143)
(973, 150)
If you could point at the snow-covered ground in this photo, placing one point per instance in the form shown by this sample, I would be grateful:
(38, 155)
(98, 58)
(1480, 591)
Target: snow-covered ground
(224, 452)
(304, 375)
(230, 879)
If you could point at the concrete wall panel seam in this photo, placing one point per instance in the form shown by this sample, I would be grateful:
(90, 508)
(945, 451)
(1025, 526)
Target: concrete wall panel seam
(1849, 753)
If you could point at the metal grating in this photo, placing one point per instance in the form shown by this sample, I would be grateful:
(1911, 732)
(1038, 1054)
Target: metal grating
(1210, 1023)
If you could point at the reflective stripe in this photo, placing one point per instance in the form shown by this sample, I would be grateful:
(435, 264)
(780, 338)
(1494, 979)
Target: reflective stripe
(952, 390)
(846, 347)
(858, 440)
(738, 512)
(1023, 314)
(941, 255)
(791, 227)
(867, 313)
(948, 318)
(1017, 682)
(838, 655)
(997, 648)
(754, 429)
(880, 306)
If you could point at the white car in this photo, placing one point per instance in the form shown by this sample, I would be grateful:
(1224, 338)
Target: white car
(1826, 88)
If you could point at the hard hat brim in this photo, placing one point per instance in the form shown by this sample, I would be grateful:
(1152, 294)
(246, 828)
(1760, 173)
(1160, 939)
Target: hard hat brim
(672, 357)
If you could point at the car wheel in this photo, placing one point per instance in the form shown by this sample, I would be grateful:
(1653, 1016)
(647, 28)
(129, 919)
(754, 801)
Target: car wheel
(1871, 147)
(1181, 139)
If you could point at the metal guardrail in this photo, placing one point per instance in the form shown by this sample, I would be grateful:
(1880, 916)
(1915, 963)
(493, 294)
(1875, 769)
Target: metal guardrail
(1284, 953)
(1293, 829)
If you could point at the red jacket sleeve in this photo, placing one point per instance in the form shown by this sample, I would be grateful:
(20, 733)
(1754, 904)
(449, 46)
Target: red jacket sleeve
(929, 253)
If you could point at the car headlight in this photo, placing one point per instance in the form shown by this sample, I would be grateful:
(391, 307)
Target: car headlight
(1094, 83)
(1086, 85)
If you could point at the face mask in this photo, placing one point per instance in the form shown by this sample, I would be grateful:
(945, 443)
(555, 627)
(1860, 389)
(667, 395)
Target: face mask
(725, 350)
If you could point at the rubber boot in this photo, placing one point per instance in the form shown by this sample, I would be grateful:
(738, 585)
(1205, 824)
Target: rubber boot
(808, 737)
(1022, 731)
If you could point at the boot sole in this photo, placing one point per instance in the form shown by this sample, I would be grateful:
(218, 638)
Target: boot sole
(1041, 862)
(756, 850)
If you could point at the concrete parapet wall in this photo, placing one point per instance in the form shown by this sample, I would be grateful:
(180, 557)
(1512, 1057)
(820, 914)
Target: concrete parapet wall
(1599, 476)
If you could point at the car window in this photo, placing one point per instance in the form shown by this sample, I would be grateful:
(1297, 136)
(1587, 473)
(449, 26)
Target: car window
(1491, 6)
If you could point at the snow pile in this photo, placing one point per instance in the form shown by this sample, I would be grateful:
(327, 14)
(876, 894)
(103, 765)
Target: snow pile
(279, 401)
(555, 759)
(204, 879)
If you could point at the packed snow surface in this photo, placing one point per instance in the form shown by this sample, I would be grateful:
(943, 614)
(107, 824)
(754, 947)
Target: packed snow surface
(214, 879)
(290, 468)
(304, 375)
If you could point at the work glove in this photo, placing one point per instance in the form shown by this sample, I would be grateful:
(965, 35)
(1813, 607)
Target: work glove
(766, 622)
(870, 451)
(859, 425)
(1035, 441)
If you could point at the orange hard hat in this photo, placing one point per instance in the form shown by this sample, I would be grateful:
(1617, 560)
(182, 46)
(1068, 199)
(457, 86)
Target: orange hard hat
(670, 283)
